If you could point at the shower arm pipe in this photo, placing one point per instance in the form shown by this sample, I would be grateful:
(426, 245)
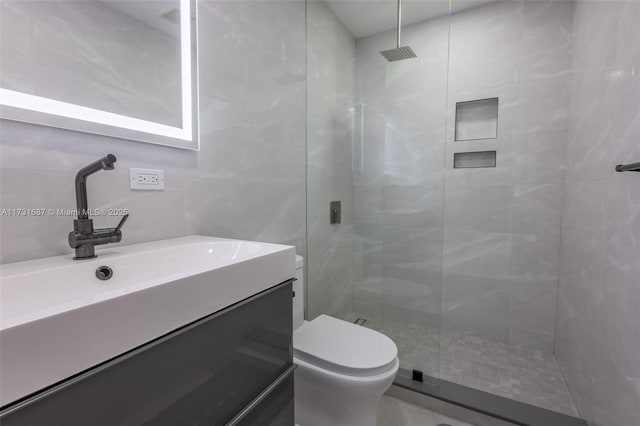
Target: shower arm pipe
(399, 20)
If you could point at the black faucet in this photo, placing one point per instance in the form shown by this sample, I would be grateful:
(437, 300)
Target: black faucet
(84, 238)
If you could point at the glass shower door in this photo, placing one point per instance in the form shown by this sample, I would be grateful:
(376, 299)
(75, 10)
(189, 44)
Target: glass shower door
(399, 190)
(376, 143)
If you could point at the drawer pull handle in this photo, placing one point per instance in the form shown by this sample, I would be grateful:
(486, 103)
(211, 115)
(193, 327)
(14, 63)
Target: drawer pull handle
(258, 399)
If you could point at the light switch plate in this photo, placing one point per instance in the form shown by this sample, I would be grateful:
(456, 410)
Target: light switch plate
(146, 179)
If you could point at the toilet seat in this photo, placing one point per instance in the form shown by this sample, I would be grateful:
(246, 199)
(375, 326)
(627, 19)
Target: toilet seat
(345, 348)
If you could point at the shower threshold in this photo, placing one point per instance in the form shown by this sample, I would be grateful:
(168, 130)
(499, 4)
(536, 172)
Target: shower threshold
(507, 411)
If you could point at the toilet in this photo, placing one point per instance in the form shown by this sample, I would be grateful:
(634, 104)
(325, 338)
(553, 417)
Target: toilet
(343, 369)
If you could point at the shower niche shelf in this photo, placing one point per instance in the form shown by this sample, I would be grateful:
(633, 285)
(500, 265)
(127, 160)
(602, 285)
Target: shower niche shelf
(474, 160)
(477, 119)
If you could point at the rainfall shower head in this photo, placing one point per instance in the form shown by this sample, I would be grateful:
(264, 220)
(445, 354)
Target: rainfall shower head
(399, 53)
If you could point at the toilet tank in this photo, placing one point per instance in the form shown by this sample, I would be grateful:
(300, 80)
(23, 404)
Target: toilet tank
(298, 290)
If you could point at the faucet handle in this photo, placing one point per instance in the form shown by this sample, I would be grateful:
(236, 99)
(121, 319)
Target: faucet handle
(122, 221)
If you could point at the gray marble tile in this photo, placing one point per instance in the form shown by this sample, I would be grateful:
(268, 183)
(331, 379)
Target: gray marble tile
(537, 209)
(544, 104)
(31, 237)
(368, 245)
(210, 209)
(478, 31)
(413, 205)
(476, 305)
(409, 248)
(239, 138)
(546, 39)
(414, 115)
(368, 290)
(585, 203)
(330, 124)
(597, 331)
(539, 157)
(411, 301)
(532, 314)
(476, 254)
(249, 26)
(414, 158)
(368, 204)
(535, 257)
(486, 208)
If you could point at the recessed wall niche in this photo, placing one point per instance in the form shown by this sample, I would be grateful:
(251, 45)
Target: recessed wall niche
(477, 119)
(474, 160)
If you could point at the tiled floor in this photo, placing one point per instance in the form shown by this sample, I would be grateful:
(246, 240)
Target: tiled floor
(395, 412)
(522, 374)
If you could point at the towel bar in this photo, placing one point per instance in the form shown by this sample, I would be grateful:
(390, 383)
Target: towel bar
(633, 167)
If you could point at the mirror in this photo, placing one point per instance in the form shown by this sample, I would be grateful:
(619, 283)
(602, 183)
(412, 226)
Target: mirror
(113, 67)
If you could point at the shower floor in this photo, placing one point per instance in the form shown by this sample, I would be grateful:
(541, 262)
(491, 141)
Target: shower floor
(521, 374)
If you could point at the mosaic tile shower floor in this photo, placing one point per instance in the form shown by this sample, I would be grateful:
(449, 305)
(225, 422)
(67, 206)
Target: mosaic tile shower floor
(522, 374)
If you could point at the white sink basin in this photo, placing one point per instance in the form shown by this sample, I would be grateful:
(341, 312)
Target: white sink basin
(57, 318)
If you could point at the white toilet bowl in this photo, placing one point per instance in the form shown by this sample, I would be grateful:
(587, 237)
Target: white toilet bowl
(342, 369)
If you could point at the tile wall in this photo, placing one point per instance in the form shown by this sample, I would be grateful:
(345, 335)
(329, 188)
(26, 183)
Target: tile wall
(501, 225)
(331, 99)
(598, 331)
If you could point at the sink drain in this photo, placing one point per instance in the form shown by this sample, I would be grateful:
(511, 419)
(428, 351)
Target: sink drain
(103, 273)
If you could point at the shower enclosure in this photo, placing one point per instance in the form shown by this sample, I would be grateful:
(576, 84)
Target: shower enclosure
(449, 169)
(376, 143)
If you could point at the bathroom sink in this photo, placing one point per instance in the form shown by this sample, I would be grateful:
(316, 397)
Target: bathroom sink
(57, 318)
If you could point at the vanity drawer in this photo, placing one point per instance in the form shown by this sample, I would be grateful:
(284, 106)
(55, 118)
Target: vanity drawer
(202, 374)
(274, 407)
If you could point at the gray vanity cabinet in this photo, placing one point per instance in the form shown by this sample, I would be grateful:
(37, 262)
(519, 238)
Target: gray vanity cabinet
(232, 367)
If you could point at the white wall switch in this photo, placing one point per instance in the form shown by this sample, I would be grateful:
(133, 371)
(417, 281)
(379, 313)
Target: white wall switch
(146, 179)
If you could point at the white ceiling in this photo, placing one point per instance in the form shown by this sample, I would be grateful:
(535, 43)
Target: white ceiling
(367, 17)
